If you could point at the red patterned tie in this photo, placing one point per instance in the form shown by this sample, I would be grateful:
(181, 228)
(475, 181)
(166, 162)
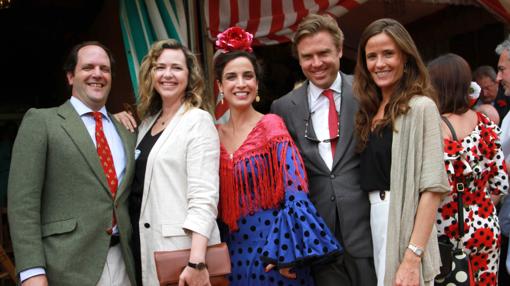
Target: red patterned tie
(332, 119)
(105, 156)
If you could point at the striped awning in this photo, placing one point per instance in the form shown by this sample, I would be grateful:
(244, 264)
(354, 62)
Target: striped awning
(146, 21)
(271, 22)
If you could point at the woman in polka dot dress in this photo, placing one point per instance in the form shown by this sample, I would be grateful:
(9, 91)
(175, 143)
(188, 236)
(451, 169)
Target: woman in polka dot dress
(477, 157)
(275, 233)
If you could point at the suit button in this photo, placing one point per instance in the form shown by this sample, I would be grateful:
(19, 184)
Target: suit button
(332, 176)
(147, 225)
(332, 198)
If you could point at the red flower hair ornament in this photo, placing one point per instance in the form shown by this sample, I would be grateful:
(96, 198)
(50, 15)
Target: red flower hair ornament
(234, 39)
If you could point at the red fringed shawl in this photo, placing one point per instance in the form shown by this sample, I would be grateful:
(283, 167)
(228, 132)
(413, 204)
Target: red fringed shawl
(242, 193)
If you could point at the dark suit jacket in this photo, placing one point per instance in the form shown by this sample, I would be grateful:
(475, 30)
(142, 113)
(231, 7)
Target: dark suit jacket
(336, 194)
(502, 104)
(59, 202)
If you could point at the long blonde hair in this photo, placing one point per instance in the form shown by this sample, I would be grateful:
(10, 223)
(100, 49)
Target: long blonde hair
(150, 101)
(414, 81)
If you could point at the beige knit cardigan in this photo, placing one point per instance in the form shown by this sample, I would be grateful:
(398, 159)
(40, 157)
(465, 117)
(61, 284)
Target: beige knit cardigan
(416, 165)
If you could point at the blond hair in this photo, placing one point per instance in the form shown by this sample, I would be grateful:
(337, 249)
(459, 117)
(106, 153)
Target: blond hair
(150, 101)
(313, 24)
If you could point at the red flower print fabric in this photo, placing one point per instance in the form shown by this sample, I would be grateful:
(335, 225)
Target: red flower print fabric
(479, 160)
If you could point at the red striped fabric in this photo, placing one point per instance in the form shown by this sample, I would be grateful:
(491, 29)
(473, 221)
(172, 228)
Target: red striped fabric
(278, 17)
(268, 18)
(300, 8)
(270, 21)
(499, 7)
(323, 4)
(213, 16)
(254, 16)
(274, 21)
(234, 12)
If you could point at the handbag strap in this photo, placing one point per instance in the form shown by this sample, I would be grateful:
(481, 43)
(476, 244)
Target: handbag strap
(460, 186)
(450, 126)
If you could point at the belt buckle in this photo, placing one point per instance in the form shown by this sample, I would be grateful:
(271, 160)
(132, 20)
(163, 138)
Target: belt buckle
(382, 195)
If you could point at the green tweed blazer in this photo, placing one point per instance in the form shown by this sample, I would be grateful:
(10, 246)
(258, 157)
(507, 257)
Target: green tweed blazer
(59, 203)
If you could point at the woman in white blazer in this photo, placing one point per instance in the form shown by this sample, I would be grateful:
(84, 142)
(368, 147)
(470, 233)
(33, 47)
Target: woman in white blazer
(175, 193)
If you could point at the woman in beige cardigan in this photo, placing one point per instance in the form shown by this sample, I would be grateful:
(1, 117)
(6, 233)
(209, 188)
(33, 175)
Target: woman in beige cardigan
(399, 138)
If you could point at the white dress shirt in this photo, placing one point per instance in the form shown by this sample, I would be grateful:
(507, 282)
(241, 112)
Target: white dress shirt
(112, 136)
(116, 147)
(319, 111)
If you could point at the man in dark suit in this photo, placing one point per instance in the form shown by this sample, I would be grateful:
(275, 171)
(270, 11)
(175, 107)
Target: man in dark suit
(503, 79)
(491, 92)
(324, 133)
(71, 170)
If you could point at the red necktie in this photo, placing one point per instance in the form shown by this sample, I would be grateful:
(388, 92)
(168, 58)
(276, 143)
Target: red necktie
(332, 119)
(105, 156)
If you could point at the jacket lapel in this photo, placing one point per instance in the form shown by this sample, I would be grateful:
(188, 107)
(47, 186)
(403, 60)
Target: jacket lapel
(129, 149)
(348, 109)
(74, 127)
(160, 143)
(300, 116)
(145, 126)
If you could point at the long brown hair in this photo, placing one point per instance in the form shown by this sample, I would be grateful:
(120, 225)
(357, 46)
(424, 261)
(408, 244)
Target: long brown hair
(414, 81)
(150, 100)
(451, 77)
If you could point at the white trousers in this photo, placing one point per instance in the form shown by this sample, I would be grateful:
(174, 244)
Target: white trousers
(379, 225)
(114, 271)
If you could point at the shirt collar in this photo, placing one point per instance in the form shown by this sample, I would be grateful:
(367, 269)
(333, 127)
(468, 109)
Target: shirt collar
(315, 91)
(82, 109)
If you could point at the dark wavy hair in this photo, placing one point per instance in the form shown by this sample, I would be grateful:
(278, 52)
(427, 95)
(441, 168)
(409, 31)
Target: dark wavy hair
(414, 81)
(451, 77)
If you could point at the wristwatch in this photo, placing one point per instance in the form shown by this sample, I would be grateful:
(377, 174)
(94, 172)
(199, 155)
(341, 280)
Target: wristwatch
(197, 266)
(415, 249)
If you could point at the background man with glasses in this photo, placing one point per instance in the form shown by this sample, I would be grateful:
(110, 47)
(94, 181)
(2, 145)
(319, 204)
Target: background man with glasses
(491, 94)
(320, 117)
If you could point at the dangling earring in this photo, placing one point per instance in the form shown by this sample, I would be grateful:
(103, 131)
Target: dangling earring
(220, 94)
(257, 98)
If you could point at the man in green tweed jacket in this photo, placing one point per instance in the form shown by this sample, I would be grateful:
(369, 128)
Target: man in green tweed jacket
(69, 223)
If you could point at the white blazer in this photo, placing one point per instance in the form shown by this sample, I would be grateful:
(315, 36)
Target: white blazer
(181, 187)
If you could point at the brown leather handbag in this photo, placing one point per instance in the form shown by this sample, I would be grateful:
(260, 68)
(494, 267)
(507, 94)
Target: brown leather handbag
(169, 265)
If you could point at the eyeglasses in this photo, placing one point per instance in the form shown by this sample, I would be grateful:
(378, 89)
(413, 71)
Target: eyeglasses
(315, 139)
(487, 87)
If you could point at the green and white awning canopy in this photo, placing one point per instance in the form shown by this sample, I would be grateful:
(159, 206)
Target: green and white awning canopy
(145, 21)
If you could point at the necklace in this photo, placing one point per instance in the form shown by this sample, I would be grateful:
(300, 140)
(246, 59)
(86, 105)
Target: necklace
(163, 120)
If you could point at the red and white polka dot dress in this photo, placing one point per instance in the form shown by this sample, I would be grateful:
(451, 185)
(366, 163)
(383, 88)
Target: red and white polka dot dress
(477, 158)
